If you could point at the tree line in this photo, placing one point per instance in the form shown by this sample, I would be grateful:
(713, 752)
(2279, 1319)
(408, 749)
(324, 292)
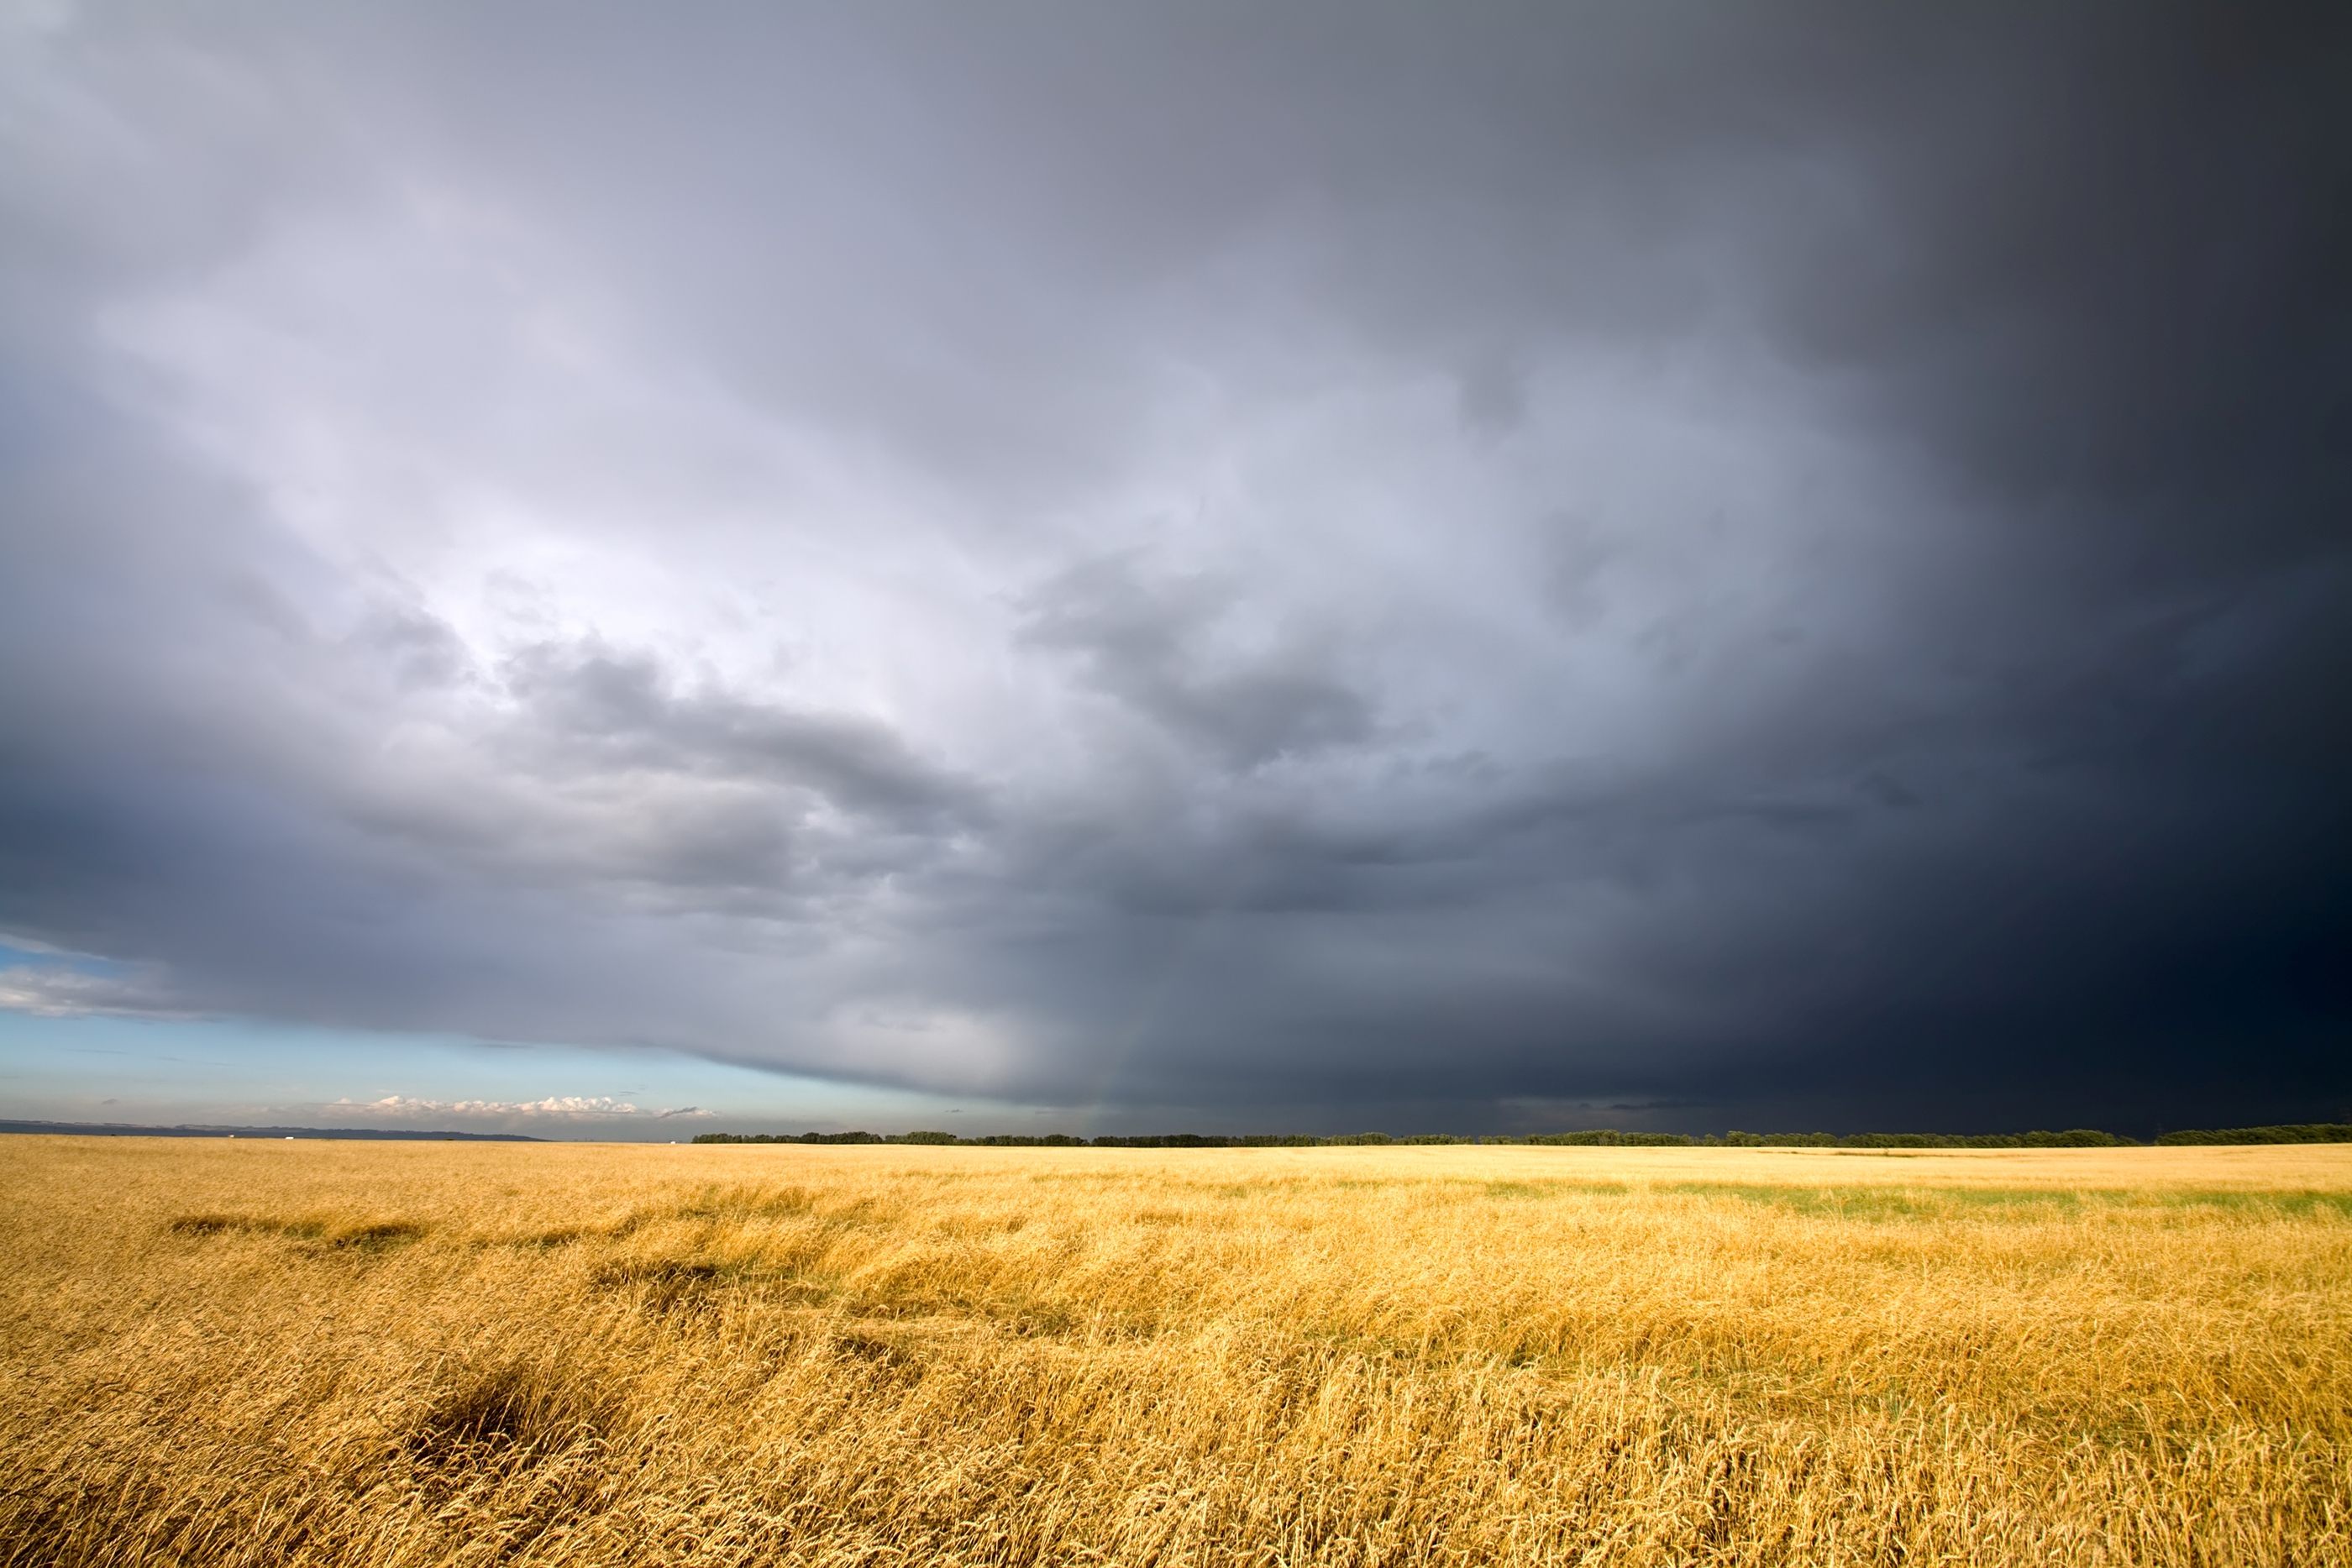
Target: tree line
(1604, 1137)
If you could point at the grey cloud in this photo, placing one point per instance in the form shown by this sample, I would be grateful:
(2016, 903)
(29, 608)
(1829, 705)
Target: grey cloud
(1493, 397)
(1151, 645)
(1481, 564)
(614, 710)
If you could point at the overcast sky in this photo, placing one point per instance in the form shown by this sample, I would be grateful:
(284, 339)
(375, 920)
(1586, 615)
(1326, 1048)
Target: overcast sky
(1302, 566)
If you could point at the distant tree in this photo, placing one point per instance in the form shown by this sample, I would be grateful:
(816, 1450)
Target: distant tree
(2072, 1138)
(2287, 1133)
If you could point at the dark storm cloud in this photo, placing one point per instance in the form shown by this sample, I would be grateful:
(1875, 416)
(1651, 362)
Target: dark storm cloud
(1469, 565)
(1139, 643)
(612, 711)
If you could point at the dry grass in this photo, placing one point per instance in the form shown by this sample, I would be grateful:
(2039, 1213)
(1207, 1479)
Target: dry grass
(249, 1351)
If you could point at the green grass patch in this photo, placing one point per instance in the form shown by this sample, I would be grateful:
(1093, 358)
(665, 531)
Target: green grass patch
(1947, 1203)
(1515, 1189)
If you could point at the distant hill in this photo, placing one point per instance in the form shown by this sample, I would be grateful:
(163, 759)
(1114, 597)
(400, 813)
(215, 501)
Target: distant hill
(379, 1134)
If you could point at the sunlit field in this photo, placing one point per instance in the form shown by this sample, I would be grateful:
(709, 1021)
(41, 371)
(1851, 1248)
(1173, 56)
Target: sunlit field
(242, 1352)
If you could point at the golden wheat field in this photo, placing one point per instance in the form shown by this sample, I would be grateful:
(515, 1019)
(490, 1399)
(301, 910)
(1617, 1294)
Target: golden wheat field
(260, 1352)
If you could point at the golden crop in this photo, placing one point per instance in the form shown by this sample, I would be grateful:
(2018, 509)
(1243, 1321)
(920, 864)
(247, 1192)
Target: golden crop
(379, 1353)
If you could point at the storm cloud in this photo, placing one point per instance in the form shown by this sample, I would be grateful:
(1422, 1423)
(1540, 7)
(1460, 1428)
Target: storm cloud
(1478, 566)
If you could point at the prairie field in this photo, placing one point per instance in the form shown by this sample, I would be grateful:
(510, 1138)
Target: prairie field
(244, 1351)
